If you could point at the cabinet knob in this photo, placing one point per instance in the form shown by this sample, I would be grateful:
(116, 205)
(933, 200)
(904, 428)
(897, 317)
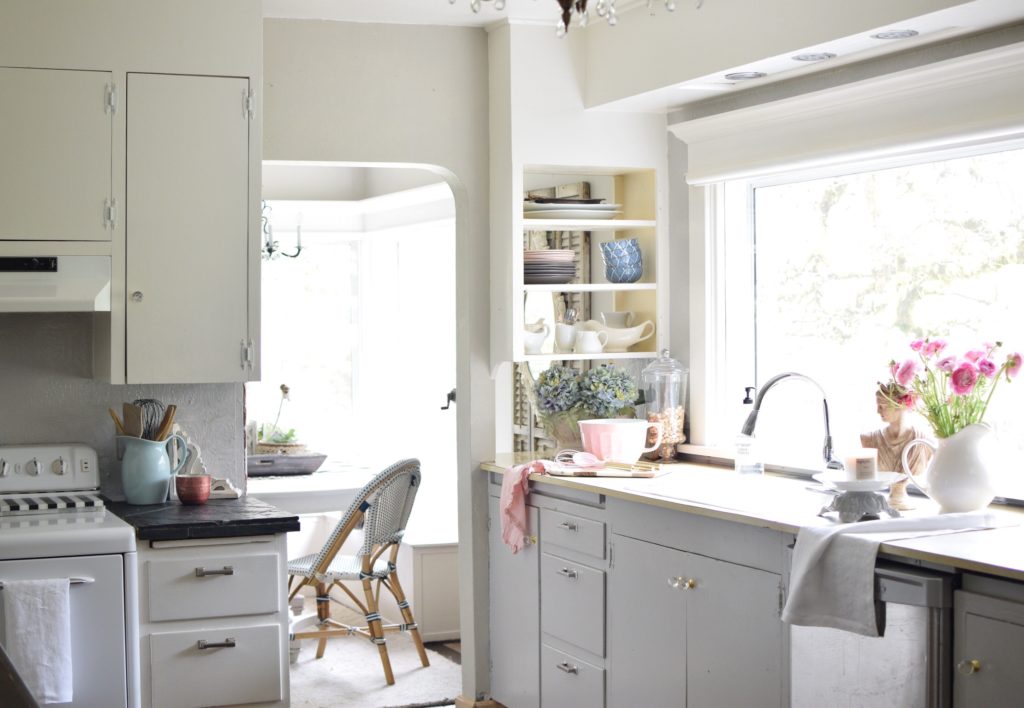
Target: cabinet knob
(529, 540)
(681, 583)
(968, 667)
(137, 296)
(32, 467)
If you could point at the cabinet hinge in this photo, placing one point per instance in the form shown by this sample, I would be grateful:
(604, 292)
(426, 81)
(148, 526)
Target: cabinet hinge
(248, 354)
(782, 598)
(110, 213)
(248, 103)
(110, 100)
(611, 555)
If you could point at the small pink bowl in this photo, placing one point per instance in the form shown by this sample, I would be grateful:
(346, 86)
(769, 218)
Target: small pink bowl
(192, 488)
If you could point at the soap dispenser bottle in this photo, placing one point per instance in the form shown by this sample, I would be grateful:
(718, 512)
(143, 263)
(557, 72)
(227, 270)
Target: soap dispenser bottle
(747, 452)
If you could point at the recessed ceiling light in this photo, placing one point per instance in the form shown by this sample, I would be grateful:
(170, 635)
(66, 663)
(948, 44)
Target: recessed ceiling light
(745, 75)
(814, 56)
(895, 34)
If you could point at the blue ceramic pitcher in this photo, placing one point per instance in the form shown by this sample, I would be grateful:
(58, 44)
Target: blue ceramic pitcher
(146, 467)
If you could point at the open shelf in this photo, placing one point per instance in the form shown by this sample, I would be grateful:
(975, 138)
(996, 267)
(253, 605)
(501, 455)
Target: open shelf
(567, 356)
(586, 224)
(589, 287)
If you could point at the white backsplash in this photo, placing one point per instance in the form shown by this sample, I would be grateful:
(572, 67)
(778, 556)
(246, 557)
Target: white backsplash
(47, 394)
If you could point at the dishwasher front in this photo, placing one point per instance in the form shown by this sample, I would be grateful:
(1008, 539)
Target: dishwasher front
(908, 667)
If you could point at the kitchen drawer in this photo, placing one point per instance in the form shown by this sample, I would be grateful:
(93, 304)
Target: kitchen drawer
(248, 672)
(573, 533)
(567, 681)
(192, 588)
(572, 603)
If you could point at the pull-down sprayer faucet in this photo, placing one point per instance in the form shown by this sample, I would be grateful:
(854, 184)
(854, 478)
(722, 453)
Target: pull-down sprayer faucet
(748, 427)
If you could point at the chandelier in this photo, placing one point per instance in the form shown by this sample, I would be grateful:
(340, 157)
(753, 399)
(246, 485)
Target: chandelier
(271, 249)
(605, 9)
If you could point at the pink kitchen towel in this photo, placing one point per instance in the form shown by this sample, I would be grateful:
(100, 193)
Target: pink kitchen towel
(514, 488)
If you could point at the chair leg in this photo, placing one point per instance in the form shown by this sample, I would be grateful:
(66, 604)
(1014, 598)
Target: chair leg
(323, 613)
(376, 627)
(403, 605)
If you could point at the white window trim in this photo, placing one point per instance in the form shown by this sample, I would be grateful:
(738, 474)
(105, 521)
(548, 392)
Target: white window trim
(955, 106)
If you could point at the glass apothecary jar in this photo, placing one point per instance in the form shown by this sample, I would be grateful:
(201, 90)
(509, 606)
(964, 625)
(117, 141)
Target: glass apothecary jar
(664, 383)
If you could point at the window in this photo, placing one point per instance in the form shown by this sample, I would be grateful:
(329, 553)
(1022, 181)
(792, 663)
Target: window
(833, 275)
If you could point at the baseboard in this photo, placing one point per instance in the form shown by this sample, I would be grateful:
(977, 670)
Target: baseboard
(463, 702)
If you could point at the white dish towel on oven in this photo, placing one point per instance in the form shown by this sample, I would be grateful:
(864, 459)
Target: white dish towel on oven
(37, 616)
(832, 577)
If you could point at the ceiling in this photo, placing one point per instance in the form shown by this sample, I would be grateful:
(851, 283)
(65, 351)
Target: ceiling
(967, 18)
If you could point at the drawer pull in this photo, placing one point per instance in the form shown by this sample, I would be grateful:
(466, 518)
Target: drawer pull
(681, 583)
(226, 644)
(569, 526)
(968, 667)
(226, 570)
(571, 574)
(568, 668)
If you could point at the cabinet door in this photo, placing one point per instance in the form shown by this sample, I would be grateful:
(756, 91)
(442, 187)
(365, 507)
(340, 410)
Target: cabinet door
(55, 155)
(733, 636)
(515, 617)
(989, 635)
(647, 625)
(186, 228)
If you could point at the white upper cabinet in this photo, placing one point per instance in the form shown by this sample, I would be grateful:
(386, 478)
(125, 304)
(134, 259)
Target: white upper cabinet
(187, 256)
(55, 147)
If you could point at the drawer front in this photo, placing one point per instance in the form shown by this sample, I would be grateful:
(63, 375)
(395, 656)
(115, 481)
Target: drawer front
(572, 532)
(567, 681)
(248, 672)
(224, 586)
(572, 603)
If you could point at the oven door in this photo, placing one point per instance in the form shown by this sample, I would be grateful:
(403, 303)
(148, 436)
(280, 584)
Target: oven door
(97, 622)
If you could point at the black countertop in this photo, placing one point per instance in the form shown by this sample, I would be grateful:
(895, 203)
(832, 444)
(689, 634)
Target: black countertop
(217, 518)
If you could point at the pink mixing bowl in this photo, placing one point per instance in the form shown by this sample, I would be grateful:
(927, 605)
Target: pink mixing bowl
(618, 439)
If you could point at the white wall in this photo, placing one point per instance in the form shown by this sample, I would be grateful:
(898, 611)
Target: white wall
(366, 93)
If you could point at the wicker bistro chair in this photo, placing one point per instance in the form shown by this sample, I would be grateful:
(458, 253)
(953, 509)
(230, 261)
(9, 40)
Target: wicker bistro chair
(382, 508)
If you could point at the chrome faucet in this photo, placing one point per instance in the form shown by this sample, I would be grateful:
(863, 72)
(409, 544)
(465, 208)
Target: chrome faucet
(748, 427)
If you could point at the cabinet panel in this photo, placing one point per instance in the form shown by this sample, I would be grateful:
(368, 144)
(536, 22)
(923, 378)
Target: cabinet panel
(55, 143)
(514, 617)
(176, 591)
(573, 533)
(989, 632)
(249, 671)
(567, 681)
(572, 603)
(187, 222)
(647, 648)
(733, 636)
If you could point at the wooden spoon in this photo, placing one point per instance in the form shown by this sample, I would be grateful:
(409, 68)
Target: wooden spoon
(132, 420)
(164, 431)
(117, 422)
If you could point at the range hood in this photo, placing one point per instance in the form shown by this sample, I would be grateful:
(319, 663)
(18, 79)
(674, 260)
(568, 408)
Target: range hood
(54, 283)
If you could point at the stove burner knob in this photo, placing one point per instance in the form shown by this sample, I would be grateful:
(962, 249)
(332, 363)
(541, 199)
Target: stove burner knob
(32, 467)
(5, 468)
(60, 466)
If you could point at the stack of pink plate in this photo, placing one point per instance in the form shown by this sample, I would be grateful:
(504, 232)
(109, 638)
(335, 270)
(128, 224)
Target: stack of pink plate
(549, 266)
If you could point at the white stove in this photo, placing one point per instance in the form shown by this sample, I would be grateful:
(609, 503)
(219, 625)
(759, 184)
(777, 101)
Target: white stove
(53, 524)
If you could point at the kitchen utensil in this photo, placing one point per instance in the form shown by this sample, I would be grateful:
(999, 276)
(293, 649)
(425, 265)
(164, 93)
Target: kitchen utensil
(589, 342)
(152, 416)
(840, 479)
(565, 337)
(617, 319)
(146, 469)
(618, 439)
(164, 429)
(664, 381)
(132, 416)
(192, 489)
(620, 338)
(533, 341)
(117, 422)
(570, 316)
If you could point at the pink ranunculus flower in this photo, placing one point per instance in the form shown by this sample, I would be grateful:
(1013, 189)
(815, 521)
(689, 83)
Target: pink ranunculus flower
(908, 400)
(987, 367)
(917, 344)
(934, 347)
(905, 374)
(963, 378)
(1013, 364)
(946, 364)
(974, 355)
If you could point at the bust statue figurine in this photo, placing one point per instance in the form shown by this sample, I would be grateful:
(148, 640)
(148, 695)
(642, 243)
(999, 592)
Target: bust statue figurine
(890, 440)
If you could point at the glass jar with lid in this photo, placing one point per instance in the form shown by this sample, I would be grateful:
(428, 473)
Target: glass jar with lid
(664, 383)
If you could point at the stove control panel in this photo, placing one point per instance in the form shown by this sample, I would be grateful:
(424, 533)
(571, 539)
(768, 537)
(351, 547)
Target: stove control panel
(48, 468)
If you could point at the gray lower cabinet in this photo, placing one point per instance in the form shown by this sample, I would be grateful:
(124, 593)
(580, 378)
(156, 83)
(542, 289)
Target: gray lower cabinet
(687, 630)
(514, 616)
(988, 636)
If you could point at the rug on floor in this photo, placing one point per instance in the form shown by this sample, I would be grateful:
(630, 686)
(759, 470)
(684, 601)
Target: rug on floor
(350, 674)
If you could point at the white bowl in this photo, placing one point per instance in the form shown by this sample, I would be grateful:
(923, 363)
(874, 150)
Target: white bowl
(620, 338)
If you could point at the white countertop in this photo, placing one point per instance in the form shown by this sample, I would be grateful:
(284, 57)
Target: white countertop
(786, 504)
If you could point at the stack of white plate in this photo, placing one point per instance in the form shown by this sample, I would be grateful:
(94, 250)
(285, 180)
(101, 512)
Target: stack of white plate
(570, 210)
(549, 267)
